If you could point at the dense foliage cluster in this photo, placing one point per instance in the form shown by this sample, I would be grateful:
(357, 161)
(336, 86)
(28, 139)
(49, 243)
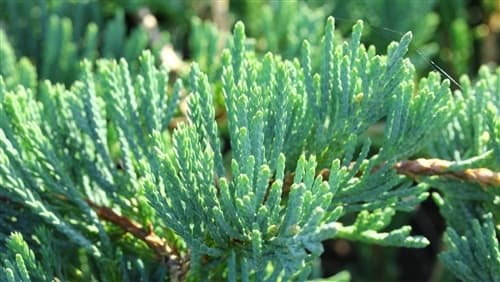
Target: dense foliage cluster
(241, 165)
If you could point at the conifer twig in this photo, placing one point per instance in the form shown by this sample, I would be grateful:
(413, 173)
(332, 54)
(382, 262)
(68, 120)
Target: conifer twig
(178, 265)
(422, 167)
(428, 167)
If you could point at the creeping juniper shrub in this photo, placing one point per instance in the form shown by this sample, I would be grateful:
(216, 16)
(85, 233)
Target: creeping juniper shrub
(94, 187)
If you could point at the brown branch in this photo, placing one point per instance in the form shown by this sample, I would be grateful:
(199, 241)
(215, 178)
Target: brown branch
(429, 167)
(415, 169)
(178, 266)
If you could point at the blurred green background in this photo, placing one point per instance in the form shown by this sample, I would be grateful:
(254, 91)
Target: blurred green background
(456, 35)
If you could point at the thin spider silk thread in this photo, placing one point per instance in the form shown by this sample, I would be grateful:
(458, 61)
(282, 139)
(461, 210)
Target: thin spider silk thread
(417, 50)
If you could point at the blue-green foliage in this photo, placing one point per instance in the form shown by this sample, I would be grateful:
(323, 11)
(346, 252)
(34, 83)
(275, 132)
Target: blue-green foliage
(475, 255)
(358, 88)
(282, 118)
(204, 43)
(474, 130)
(18, 263)
(263, 216)
(281, 26)
(387, 19)
(59, 148)
(471, 210)
(474, 135)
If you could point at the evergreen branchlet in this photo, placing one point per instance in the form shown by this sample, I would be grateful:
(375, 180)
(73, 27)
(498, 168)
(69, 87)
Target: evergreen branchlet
(95, 170)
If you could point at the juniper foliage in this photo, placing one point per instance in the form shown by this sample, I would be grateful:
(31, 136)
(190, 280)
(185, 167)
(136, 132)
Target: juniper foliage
(283, 118)
(63, 149)
(68, 153)
(471, 209)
